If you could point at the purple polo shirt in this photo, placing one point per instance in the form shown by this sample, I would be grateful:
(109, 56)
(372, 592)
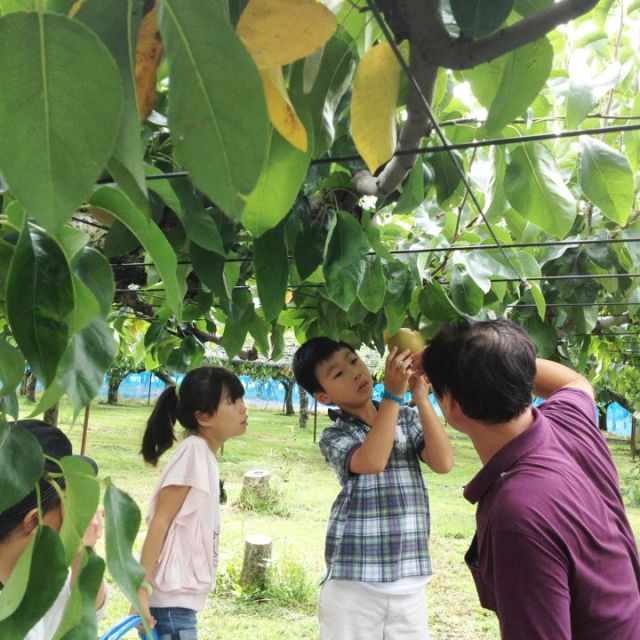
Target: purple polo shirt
(554, 555)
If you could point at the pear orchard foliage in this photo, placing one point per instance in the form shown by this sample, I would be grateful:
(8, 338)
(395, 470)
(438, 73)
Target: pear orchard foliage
(296, 200)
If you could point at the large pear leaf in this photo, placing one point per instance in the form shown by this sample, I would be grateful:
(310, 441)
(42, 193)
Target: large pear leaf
(122, 521)
(79, 621)
(606, 179)
(9, 6)
(21, 464)
(94, 270)
(40, 299)
(527, 7)
(373, 286)
(272, 270)
(344, 265)
(585, 91)
(117, 25)
(11, 367)
(149, 235)
(279, 183)
(479, 18)
(82, 494)
(373, 105)
(535, 188)
(278, 32)
(47, 573)
(60, 108)
(507, 85)
(217, 108)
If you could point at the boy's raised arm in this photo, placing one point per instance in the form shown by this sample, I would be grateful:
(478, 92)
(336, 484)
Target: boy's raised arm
(437, 452)
(373, 455)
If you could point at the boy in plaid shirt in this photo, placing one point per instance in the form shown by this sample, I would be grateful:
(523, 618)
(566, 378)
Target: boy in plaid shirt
(377, 549)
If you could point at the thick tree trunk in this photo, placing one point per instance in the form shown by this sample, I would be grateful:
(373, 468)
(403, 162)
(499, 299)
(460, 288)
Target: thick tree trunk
(28, 386)
(257, 556)
(51, 415)
(304, 408)
(112, 394)
(602, 419)
(288, 399)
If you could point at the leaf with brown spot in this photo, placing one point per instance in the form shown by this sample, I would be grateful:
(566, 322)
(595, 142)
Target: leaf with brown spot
(149, 51)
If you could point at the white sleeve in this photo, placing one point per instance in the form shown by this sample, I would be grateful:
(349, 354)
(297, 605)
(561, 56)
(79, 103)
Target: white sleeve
(46, 627)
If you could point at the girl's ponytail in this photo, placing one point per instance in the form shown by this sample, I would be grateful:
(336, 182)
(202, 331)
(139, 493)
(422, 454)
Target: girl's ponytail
(159, 435)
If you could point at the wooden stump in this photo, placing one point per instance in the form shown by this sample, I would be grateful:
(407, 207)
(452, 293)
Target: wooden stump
(255, 487)
(257, 556)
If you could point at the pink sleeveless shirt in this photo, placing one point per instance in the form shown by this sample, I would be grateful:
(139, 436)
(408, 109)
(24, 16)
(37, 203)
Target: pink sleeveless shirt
(185, 573)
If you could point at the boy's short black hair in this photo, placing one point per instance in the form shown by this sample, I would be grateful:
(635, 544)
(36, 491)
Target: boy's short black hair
(312, 353)
(488, 368)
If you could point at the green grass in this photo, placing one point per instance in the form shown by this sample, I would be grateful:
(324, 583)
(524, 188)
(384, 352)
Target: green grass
(306, 488)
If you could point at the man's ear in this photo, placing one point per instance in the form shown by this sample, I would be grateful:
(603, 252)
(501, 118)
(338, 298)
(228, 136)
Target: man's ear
(322, 396)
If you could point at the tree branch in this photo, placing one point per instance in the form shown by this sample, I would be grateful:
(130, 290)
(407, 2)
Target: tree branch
(206, 336)
(440, 48)
(416, 126)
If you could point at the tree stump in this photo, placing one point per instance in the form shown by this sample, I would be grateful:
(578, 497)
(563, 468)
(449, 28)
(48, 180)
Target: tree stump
(255, 487)
(257, 556)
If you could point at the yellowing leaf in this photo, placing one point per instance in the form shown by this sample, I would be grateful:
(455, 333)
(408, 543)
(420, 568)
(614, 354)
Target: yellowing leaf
(373, 105)
(148, 56)
(281, 112)
(277, 32)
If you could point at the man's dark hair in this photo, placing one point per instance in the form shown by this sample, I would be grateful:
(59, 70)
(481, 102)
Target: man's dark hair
(312, 353)
(488, 368)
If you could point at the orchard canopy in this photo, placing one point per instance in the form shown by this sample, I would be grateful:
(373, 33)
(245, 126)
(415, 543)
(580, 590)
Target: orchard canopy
(178, 172)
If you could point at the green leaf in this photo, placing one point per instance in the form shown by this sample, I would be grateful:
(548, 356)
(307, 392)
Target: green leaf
(209, 267)
(11, 367)
(535, 188)
(335, 71)
(585, 91)
(122, 521)
(507, 85)
(86, 306)
(60, 108)
(82, 494)
(412, 192)
(465, 293)
(544, 335)
(344, 267)
(94, 270)
(117, 24)
(607, 179)
(196, 220)
(538, 298)
(373, 286)
(436, 305)
(21, 464)
(9, 6)
(47, 573)
(395, 315)
(279, 184)
(271, 265)
(79, 621)
(446, 176)
(527, 7)
(214, 82)
(40, 300)
(479, 18)
(149, 235)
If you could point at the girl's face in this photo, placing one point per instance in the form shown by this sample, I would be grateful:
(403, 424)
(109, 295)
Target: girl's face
(229, 420)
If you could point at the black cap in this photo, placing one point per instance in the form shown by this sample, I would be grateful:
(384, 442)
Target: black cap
(54, 443)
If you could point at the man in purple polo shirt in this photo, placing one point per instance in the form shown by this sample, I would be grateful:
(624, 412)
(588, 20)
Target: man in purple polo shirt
(553, 555)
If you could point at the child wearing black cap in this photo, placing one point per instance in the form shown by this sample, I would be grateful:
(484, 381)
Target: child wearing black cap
(19, 523)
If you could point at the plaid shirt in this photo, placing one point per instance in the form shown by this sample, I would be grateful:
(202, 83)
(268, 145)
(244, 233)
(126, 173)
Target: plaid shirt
(379, 524)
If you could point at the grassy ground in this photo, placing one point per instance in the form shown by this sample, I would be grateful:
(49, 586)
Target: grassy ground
(296, 524)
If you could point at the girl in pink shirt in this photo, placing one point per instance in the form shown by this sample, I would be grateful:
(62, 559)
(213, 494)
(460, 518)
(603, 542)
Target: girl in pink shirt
(180, 552)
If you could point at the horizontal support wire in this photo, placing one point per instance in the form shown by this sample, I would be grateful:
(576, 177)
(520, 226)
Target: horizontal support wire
(630, 303)
(459, 146)
(471, 247)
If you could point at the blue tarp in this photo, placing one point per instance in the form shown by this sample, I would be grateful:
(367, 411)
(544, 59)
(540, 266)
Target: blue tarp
(618, 420)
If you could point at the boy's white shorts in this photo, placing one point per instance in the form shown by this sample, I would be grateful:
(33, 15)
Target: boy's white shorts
(352, 611)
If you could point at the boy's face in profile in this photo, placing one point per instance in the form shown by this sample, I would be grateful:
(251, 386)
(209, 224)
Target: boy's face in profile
(345, 379)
